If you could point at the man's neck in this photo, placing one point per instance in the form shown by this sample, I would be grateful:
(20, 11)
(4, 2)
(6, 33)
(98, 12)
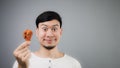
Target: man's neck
(45, 53)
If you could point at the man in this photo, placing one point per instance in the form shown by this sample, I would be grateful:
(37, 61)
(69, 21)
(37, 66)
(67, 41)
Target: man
(48, 32)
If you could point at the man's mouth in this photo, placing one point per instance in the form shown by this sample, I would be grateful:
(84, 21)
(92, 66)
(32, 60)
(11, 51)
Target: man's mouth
(49, 40)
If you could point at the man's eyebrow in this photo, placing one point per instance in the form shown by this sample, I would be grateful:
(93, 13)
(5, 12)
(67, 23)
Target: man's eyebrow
(43, 25)
(47, 26)
(56, 25)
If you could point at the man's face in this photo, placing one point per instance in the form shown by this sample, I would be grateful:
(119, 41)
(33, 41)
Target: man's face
(49, 33)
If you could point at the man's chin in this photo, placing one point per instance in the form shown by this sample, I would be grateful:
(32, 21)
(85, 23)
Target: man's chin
(49, 47)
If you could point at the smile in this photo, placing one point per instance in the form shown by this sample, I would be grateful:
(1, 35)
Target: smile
(49, 40)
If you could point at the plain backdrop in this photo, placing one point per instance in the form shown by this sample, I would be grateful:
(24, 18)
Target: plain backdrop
(91, 29)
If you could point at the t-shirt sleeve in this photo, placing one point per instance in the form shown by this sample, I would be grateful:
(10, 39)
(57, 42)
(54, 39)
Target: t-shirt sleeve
(75, 62)
(77, 65)
(15, 65)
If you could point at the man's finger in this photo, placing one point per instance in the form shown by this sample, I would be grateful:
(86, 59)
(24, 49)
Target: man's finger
(23, 45)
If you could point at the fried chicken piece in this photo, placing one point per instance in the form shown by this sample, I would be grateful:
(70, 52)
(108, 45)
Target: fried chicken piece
(27, 34)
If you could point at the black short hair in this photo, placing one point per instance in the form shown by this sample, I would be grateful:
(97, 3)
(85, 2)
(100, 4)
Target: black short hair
(48, 16)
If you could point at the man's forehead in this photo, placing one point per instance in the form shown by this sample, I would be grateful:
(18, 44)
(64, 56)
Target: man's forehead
(50, 23)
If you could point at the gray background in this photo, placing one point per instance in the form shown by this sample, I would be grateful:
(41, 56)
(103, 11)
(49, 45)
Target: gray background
(91, 29)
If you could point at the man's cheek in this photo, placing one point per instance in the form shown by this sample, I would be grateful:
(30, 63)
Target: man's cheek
(41, 33)
(41, 37)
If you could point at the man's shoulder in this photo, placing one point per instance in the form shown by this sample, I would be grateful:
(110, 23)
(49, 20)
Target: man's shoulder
(71, 58)
(73, 61)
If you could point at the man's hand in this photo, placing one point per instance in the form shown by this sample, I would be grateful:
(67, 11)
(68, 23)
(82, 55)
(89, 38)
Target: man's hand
(22, 54)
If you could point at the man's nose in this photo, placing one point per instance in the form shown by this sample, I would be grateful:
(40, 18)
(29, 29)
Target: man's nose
(49, 33)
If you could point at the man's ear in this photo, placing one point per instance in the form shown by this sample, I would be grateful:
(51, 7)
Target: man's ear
(37, 32)
(61, 31)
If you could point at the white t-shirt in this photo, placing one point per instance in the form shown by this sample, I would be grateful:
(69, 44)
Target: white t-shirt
(63, 62)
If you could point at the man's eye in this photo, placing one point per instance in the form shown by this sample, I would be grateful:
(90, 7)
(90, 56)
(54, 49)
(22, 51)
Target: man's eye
(54, 29)
(45, 29)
